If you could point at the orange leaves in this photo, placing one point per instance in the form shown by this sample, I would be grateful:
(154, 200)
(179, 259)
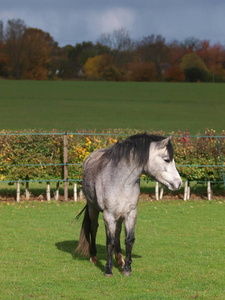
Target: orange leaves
(26, 53)
(36, 53)
(174, 74)
(142, 71)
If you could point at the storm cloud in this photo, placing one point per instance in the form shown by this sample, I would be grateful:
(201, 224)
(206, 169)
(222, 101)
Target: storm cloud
(71, 21)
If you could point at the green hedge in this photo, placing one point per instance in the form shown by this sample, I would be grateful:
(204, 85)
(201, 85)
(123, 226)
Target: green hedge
(200, 151)
(41, 149)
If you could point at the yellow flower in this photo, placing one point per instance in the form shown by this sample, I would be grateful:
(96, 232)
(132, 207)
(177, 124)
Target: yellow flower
(88, 141)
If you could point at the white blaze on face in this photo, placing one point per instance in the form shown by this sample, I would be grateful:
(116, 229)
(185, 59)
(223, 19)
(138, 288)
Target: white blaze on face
(161, 168)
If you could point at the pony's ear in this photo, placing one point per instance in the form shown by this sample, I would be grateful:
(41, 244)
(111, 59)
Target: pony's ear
(165, 142)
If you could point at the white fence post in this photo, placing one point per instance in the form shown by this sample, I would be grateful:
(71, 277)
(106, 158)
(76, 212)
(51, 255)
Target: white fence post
(48, 192)
(161, 192)
(75, 192)
(18, 192)
(185, 190)
(57, 191)
(157, 190)
(209, 191)
(81, 194)
(188, 191)
(27, 193)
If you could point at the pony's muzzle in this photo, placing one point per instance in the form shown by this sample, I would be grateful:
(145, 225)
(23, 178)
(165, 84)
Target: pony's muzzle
(176, 185)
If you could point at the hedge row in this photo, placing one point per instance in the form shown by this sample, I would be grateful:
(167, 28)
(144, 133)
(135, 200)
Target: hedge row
(43, 149)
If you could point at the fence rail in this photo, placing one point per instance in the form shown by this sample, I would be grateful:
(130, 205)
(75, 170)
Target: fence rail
(65, 164)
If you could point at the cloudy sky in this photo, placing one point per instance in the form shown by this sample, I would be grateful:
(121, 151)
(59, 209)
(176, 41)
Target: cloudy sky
(75, 21)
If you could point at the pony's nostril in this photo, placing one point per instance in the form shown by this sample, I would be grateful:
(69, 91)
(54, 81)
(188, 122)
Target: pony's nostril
(179, 185)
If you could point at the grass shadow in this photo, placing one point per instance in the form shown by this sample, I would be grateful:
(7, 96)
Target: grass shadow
(70, 246)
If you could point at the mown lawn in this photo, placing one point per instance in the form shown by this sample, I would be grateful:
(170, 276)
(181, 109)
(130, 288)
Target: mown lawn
(75, 105)
(179, 253)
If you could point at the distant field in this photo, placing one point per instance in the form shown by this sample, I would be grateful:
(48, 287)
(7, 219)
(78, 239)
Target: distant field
(74, 105)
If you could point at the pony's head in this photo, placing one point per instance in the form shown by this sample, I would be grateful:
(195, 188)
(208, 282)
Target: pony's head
(161, 164)
(152, 153)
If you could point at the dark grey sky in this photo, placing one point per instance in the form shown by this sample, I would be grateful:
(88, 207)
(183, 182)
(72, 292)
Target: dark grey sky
(74, 21)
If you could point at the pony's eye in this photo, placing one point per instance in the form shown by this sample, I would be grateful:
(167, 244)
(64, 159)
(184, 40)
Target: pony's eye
(167, 160)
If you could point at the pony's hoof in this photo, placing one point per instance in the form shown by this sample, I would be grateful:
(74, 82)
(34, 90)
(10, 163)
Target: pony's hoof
(108, 274)
(93, 260)
(126, 273)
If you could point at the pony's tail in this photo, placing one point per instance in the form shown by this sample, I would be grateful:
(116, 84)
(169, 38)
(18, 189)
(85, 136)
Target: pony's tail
(84, 240)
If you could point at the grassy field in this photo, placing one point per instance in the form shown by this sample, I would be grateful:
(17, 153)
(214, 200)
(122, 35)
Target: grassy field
(179, 253)
(74, 105)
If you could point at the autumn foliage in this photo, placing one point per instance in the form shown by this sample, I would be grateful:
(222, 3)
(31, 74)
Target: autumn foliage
(142, 71)
(34, 157)
(30, 53)
(26, 53)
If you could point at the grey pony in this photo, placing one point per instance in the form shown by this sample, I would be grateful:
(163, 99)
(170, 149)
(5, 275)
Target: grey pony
(111, 184)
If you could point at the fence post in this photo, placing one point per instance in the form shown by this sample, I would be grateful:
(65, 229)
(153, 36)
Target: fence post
(185, 190)
(48, 192)
(75, 192)
(27, 191)
(18, 192)
(188, 191)
(57, 191)
(209, 191)
(65, 161)
(157, 190)
(81, 194)
(161, 192)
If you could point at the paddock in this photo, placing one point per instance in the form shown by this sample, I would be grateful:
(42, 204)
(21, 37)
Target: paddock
(179, 252)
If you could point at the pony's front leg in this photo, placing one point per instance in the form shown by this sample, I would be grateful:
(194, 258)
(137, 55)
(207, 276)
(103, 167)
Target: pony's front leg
(110, 227)
(129, 223)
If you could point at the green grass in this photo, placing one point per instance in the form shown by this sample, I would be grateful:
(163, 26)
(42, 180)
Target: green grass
(74, 105)
(179, 253)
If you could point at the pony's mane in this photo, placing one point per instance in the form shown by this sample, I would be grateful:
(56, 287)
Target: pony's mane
(136, 147)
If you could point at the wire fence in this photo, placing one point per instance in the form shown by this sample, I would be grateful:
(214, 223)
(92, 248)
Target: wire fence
(65, 164)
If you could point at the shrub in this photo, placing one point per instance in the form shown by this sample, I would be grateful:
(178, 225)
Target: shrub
(42, 150)
(142, 72)
(174, 74)
(195, 74)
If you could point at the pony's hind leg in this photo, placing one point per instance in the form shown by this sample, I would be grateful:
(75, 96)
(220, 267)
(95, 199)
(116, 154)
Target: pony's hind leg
(110, 228)
(118, 254)
(93, 213)
(129, 223)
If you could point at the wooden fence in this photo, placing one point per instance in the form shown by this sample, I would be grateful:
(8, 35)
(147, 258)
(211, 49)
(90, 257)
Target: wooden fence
(158, 191)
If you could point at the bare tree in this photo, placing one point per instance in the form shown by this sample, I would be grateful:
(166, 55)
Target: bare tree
(118, 40)
(153, 48)
(15, 29)
(191, 43)
(14, 46)
(1, 31)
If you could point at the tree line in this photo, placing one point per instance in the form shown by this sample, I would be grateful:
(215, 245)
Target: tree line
(31, 53)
